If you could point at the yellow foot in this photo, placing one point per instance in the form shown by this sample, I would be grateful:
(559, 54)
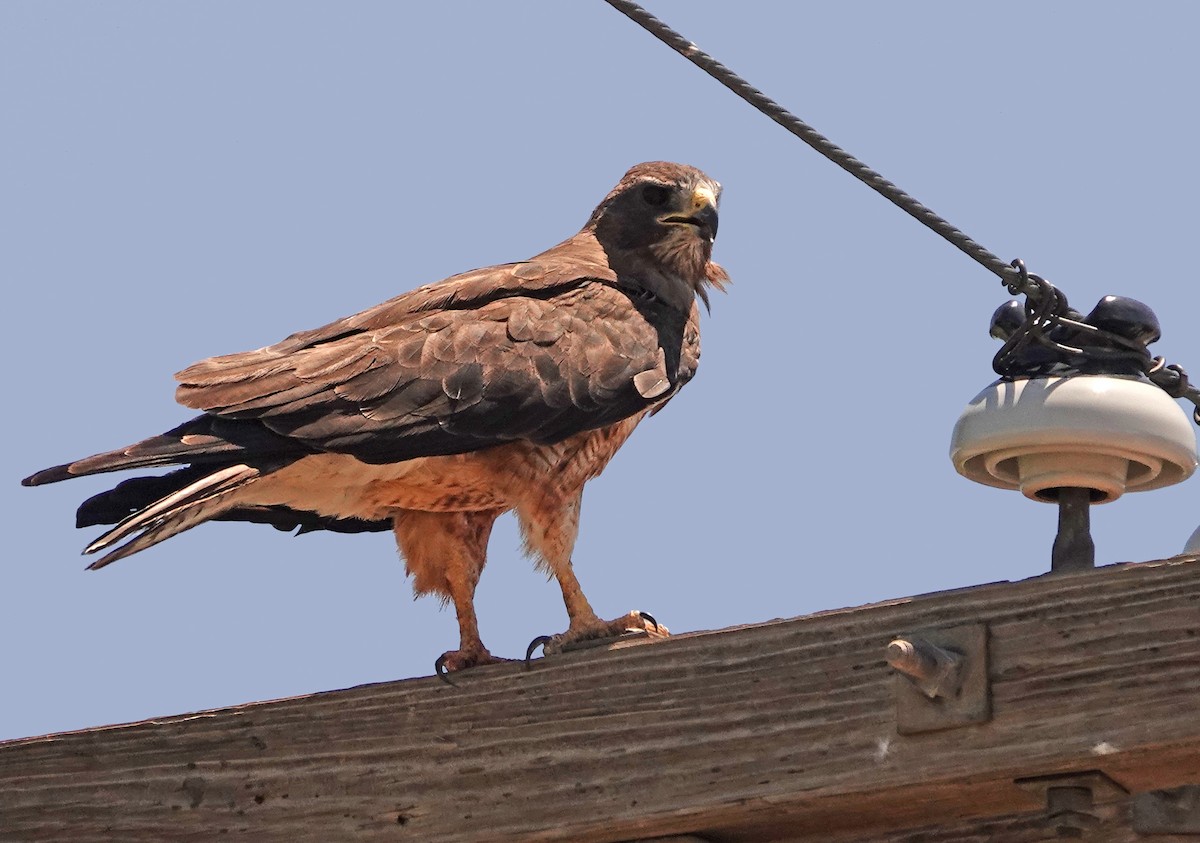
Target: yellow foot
(586, 635)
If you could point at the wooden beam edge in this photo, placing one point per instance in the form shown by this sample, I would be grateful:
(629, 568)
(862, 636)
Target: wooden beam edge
(980, 591)
(1172, 745)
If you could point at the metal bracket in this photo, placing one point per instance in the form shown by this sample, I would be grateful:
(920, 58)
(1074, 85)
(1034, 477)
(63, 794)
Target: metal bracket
(941, 678)
(1173, 811)
(1070, 799)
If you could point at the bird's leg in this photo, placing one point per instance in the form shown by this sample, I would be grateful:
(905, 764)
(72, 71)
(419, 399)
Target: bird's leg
(470, 652)
(550, 535)
(445, 553)
(585, 625)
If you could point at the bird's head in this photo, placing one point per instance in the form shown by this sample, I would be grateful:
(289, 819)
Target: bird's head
(663, 214)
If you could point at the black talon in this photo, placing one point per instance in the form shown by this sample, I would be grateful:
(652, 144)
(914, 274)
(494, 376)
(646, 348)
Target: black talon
(646, 616)
(540, 641)
(439, 667)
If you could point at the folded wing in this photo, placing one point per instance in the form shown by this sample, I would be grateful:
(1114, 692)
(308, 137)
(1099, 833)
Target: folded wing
(538, 351)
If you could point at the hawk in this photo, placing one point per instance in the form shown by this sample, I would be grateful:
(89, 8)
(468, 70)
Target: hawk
(501, 389)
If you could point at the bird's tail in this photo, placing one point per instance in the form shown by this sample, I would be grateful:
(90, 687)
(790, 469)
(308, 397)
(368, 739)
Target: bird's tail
(204, 440)
(196, 502)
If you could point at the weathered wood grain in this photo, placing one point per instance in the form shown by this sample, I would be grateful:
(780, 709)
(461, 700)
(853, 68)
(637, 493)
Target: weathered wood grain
(780, 731)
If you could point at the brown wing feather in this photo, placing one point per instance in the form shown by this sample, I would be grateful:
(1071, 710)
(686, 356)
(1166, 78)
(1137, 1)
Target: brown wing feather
(574, 259)
(538, 350)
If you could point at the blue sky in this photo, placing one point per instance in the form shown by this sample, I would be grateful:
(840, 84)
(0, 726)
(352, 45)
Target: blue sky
(183, 180)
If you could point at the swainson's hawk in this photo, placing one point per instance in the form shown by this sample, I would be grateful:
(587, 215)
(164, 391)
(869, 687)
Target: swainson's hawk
(506, 388)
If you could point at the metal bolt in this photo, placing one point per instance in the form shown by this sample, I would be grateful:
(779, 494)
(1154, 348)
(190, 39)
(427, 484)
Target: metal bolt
(1069, 810)
(1073, 549)
(1070, 799)
(934, 670)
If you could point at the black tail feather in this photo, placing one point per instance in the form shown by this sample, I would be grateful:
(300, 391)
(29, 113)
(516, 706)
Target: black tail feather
(137, 493)
(207, 440)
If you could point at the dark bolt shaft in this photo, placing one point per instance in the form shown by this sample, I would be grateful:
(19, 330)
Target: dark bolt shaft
(1069, 810)
(1073, 546)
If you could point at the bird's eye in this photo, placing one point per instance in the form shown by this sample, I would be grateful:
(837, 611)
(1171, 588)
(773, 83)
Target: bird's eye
(655, 194)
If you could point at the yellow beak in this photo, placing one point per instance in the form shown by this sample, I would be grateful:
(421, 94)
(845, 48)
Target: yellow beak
(703, 196)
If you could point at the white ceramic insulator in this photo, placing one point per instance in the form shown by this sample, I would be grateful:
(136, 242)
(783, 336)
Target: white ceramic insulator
(1098, 432)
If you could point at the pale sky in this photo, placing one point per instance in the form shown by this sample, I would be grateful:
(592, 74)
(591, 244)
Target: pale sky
(180, 180)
